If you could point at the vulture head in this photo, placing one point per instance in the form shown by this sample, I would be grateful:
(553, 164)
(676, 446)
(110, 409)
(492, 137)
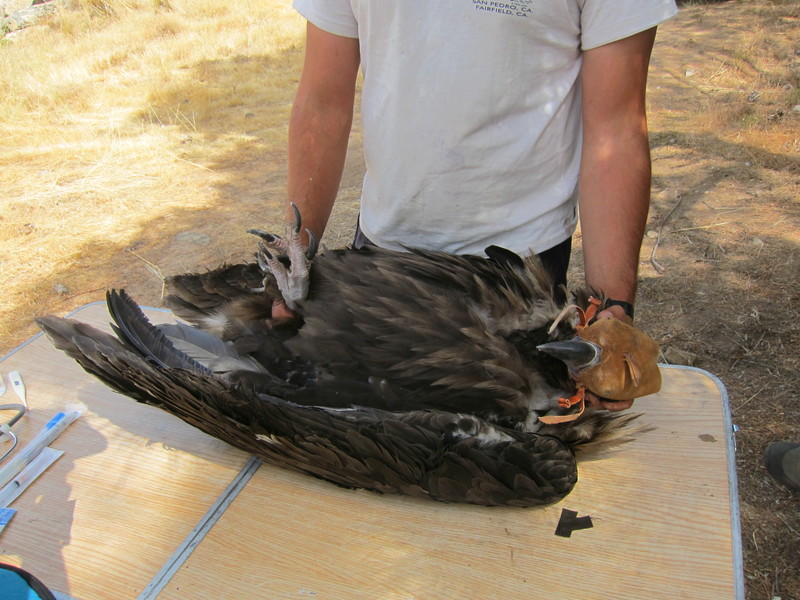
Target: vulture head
(611, 359)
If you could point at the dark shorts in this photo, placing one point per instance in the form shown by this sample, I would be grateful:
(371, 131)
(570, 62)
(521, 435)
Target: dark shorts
(555, 260)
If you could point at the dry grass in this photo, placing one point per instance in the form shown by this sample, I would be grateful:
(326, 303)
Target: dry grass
(109, 135)
(127, 153)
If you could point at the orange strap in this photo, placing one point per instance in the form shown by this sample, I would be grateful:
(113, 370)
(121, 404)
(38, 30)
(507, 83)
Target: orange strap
(578, 398)
(556, 419)
(588, 314)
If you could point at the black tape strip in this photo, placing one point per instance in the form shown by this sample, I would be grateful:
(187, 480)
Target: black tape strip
(570, 521)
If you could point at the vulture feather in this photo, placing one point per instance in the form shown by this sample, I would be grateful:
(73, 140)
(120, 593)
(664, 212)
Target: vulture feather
(419, 373)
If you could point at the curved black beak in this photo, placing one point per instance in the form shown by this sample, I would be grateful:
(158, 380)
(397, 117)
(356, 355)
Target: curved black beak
(576, 353)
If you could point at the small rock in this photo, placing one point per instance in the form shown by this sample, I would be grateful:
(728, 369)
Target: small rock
(668, 194)
(652, 234)
(757, 241)
(689, 72)
(60, 289)
(193, 237)
(137, 245)
(676, 356)
(796, 108)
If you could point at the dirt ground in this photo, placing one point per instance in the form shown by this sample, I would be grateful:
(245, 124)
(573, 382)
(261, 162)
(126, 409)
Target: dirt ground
(722, 280)
(720, 263)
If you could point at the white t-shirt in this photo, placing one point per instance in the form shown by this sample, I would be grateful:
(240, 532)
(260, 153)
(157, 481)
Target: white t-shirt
(471, 113)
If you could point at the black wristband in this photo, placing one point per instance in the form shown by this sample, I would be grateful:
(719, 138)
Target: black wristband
(626, 306)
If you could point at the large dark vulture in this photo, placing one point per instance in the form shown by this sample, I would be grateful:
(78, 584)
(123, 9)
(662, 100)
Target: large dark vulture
(420, 373)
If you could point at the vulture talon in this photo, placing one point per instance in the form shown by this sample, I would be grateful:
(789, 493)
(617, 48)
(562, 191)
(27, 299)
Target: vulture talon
(265, 253)
(313, 245)
(270, 238)
(292, 280)
(298, 222)
(261, 259)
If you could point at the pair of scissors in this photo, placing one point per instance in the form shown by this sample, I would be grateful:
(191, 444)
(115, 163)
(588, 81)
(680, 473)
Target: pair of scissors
(21, 408)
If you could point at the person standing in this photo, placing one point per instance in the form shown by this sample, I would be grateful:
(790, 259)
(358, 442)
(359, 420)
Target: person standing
(484, 123)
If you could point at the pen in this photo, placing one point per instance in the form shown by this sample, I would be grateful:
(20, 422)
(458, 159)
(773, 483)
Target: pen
(25, 477)
(49, 432)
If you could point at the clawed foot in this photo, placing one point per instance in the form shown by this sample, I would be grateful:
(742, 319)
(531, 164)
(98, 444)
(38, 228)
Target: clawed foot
(292, 280)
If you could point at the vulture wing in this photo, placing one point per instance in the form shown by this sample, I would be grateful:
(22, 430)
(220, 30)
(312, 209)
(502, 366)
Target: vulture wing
(440, 455)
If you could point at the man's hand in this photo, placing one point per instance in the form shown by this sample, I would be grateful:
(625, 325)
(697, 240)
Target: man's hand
(612, 405)
(615, 312)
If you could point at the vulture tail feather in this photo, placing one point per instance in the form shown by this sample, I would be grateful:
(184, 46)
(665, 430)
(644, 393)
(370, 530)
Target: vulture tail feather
(207, 349)
(135, 329)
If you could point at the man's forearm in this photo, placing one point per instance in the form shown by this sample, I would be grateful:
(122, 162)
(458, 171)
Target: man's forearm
(317, 149)
(614, 182)
(614, 201)
(320, 124)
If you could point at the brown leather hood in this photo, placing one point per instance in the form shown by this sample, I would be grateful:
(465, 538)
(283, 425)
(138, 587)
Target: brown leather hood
(628, 364)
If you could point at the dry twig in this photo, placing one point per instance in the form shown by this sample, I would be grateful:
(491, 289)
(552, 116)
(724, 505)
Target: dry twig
(656, 265)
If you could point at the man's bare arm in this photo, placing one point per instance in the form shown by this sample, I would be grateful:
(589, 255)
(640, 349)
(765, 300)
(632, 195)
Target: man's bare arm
(614, 183)
(320, 124)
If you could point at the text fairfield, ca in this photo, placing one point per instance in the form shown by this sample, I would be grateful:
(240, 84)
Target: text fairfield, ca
(518, 8)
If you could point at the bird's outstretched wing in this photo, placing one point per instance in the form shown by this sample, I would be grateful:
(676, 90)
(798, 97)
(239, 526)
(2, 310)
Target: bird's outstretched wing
(425, 453)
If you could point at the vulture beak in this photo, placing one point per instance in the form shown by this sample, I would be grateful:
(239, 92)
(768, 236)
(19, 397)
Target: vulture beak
(577, 353)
